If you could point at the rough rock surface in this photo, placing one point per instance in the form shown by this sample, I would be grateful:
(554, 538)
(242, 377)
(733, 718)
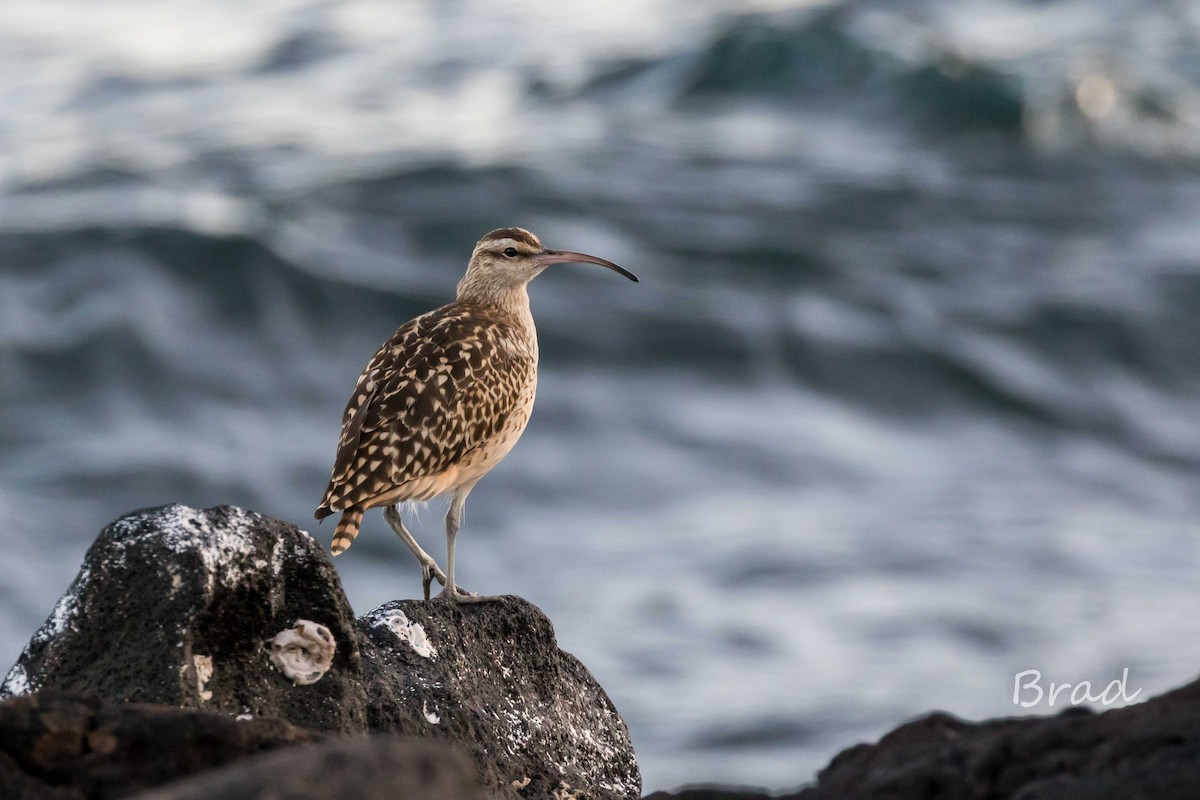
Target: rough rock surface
(174, 605)
(376, 768)
(71, 746)
(491, 676)
(179, 606)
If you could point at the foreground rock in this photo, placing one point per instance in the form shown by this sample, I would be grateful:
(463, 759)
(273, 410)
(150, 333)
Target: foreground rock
(66, 745)
(383, 768)
(203, 608)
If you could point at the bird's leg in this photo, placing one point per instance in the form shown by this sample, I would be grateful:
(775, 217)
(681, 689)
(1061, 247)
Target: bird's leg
(453, 519)
(429, 567)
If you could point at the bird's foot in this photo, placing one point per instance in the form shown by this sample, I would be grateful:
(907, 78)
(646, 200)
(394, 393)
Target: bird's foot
(429, 571)
(461, 595)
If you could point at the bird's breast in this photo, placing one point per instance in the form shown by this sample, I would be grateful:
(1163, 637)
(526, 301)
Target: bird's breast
(480, 461)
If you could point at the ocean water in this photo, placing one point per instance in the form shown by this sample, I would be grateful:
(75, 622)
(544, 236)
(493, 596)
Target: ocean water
(907, 402)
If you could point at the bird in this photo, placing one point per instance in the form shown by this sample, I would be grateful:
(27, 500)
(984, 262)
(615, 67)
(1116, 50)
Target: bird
(444, 400)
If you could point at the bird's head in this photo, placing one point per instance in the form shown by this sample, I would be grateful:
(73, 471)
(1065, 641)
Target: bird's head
(509, 258)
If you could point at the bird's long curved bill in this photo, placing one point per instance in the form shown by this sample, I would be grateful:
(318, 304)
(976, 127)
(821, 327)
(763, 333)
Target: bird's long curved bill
(567, 257)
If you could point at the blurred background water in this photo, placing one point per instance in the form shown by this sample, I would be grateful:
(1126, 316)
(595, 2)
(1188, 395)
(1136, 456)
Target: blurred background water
(906, 402)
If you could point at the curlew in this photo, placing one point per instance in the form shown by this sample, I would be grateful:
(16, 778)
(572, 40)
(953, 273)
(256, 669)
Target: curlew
(445, 399)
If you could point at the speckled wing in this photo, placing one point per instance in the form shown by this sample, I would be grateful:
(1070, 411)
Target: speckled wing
(440, 387)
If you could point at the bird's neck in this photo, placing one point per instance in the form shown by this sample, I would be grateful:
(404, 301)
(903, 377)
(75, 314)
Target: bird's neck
(511, 301)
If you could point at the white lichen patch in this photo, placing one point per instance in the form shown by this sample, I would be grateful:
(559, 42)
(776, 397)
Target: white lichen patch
(304, 652)
(221, 539)
(66, 610)
(66, 614)
(203, 666)
(411, 633)
(432, 716)
(17, 682)
(584, 738)
(519, 725)
(597, 737)
(277, 558)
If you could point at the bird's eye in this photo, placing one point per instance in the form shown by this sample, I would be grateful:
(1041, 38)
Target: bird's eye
(511, 252)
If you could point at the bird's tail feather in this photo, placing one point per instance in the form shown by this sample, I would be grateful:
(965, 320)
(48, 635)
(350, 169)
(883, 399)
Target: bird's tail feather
(347, 529)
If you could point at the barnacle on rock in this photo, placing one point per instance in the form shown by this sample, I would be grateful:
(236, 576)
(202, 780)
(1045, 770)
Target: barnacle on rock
(303, 652)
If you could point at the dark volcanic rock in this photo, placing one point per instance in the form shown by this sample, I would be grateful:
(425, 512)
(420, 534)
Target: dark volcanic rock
(68, 745)
(1149, 751)
(377, 768)
(177, 606)
(491, 677)
(166, 594)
